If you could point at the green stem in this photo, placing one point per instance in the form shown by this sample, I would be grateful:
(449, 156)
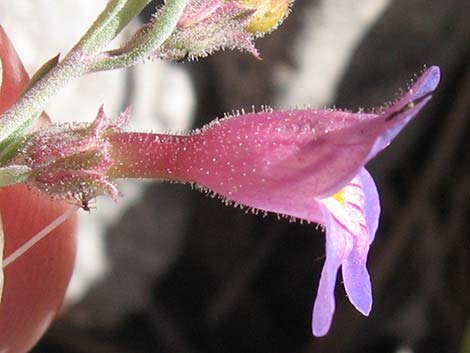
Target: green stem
(154, 37)
(110, 23)
(17, 120)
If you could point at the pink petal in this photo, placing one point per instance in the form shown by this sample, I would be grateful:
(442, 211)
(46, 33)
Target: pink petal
(351, 218)
(371, 202)
(324, 305)
(355, 276)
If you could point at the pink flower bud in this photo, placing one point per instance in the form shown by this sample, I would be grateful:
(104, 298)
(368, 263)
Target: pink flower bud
(207, 26)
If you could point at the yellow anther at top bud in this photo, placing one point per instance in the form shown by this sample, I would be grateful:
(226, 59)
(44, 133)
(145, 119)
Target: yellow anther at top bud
(269, 14)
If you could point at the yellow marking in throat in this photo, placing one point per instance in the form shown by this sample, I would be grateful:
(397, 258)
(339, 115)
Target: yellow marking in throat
(339, 196)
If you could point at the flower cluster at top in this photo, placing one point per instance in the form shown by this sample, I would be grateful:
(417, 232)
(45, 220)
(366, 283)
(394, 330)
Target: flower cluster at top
(303, 163)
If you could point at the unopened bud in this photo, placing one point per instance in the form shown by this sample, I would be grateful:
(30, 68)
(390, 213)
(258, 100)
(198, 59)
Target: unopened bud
(207, 26)
(269, 14)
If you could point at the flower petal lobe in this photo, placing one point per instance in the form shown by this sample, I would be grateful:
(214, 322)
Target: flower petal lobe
(351, 218)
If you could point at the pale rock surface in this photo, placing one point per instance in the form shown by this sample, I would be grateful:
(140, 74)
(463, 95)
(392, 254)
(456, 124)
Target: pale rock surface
(332, 30)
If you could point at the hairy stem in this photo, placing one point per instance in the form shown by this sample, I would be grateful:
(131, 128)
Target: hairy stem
(154, 36)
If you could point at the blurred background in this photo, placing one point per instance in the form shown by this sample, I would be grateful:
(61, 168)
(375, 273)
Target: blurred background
(171, 270)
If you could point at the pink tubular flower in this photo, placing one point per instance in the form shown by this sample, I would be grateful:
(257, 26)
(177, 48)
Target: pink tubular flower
(307, 164)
